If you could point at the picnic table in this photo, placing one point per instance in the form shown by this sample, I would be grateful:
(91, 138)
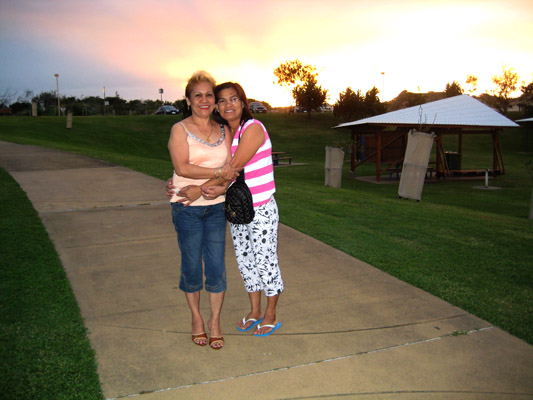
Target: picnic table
(276, 157)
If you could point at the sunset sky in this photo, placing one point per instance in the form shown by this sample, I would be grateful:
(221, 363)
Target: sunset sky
(136, 47)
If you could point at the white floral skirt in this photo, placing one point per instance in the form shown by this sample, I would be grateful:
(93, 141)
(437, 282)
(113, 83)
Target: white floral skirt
(256, 248)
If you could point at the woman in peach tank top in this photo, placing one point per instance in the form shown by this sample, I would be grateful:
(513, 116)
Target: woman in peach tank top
(199, 149)
(255, 243)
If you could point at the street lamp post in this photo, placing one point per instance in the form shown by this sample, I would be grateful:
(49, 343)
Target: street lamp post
(161, 93)
(58, 102)
(383, 95)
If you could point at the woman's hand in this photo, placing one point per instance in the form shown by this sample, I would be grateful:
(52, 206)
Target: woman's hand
(212, 192)
(170, 189)
(229, 172)
(190, 194)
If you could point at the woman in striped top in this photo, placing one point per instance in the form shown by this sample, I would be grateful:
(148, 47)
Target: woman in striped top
(255, 243)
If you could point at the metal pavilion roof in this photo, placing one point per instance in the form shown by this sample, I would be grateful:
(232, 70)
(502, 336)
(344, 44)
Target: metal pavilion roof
(458, 111)
(525, 120)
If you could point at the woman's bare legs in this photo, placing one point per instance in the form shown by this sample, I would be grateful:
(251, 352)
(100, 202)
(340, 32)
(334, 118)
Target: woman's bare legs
(193, 300)
(216, 301)
(255, 313)
(270, 315)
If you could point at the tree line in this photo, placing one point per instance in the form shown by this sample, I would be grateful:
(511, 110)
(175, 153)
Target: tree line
(351, 105)
(93, 105)
(302, 80)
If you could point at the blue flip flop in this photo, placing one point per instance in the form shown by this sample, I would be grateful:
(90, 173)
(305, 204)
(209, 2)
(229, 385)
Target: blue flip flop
(274, 328)
(245, 321)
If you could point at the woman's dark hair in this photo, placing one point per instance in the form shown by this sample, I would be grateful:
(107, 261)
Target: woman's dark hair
(246, 113)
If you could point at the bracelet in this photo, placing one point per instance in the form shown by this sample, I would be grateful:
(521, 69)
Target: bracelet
(220, 172)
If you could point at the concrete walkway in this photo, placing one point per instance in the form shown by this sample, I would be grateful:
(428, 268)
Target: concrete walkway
(349, 330)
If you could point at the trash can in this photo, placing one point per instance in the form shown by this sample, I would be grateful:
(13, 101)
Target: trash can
(453, 159)
(333, 167)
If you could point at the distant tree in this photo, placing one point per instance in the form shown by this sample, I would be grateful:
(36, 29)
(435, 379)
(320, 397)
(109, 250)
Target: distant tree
(471, 80)
(20, 108)
(505, 86)
(150, 106)
(373, 105)
(349, 106)
(310, 96)
(135, 107)
(92, 105)
(26, 96)
(117, 105)
(302, 79)
(453, 89)
(47, 102)
(71, 104)
(526, 99)
(526, 89)
(7, 97)
(353, 105)
(184, 108)
(294, 73)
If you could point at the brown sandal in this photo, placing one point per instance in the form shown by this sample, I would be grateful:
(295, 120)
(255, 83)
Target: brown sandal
(202, 335)
(216, 339)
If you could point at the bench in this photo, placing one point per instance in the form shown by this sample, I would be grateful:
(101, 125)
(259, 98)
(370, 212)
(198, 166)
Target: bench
(276, 157)
(431, 169)
(276, 161)
(395, 167)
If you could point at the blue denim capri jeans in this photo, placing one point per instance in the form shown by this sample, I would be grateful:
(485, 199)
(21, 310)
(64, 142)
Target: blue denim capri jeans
(201, 235)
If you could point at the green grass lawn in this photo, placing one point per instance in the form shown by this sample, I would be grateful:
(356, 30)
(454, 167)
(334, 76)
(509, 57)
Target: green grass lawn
(44, 349)
(470, 247)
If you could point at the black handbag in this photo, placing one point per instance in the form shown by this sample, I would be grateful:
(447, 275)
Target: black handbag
(239, 205)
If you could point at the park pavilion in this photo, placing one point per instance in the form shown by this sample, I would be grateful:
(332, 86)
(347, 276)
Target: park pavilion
(383, 138)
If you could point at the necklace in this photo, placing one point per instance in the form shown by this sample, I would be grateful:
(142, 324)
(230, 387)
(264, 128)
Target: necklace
(207, 137)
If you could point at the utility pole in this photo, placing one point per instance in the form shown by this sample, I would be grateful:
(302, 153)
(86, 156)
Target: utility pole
(58, 102)
(383, 93)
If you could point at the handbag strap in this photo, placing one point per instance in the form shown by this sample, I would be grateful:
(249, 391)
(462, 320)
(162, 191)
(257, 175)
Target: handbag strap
(241, 177)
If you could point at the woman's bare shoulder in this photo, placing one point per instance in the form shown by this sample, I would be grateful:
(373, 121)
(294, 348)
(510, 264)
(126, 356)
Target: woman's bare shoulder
(178, 127)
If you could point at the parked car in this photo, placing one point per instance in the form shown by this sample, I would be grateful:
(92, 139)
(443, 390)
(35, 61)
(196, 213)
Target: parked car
(324, 108)
(257, 107)
(167, 110)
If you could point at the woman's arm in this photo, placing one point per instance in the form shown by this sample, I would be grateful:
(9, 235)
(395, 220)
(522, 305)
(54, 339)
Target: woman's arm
(251, 140)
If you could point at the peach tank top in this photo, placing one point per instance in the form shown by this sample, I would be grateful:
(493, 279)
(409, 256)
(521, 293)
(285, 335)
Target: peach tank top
(203, 154)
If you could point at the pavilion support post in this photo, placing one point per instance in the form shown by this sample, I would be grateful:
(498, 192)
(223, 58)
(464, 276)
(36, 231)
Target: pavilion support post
(497, 158)
(352, 154)
(438, 159)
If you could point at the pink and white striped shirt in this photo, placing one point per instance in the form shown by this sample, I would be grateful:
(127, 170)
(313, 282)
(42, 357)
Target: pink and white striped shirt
(259, 172)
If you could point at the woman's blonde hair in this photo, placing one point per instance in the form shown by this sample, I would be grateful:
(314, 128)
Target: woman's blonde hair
(197, 77)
